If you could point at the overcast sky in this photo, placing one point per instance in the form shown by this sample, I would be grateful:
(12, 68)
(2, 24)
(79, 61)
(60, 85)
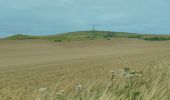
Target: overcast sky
(41, 17)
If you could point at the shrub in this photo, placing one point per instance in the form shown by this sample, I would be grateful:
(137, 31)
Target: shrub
(57, 40)
(109, 35)
(157, 39)
(135, 36)
(108, 39)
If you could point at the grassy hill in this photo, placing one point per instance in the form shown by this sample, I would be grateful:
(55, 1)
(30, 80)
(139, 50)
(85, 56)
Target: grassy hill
(92, 35)
(22, 37)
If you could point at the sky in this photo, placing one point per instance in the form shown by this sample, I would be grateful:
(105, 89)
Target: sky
(44, 17)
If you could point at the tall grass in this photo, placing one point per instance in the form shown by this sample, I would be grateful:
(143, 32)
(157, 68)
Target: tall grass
(148, 83)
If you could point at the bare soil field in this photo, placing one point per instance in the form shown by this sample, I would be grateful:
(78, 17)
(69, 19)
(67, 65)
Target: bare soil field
(28, 65)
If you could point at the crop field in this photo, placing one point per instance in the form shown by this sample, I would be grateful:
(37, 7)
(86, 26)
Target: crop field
(116, 69)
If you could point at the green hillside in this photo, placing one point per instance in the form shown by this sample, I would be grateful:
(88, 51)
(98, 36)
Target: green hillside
(22, 37)
(92, 35)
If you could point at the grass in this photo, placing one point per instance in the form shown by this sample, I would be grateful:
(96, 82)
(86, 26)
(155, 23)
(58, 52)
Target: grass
(118, 69)
(152, 84)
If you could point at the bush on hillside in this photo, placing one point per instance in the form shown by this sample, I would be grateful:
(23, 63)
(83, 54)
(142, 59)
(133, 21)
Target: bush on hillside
(157, 39)
(109, 35)
(57, 40)
(135, 36)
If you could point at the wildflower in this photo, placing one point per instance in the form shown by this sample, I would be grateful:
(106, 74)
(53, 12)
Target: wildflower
(139, 75)
(112, 74)
(122, 72)
(61, 92)
(129, 75)
(42, 89)
(43, 94)
(78, 88)
(132, 72)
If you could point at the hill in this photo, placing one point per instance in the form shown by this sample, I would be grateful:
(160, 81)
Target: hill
(22, 37)
(92, 35)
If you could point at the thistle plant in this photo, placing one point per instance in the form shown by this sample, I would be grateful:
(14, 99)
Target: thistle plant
(112, 75)
(135, 95)
(59, 95)
(43, 94)
(79, 90)
(111, 79)
(130, 75)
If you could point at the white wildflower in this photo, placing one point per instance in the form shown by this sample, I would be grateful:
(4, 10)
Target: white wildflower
(78, 88)
(42, 89)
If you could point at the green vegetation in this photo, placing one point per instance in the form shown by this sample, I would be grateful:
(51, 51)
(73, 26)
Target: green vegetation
(92, 35)
(57, 40)
(22, 37)
(157, 38)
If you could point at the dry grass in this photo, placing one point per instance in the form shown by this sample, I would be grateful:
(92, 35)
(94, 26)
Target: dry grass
(31, 69)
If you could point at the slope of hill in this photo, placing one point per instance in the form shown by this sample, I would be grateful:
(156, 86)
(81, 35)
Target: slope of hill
(92, 35)
(22, 37)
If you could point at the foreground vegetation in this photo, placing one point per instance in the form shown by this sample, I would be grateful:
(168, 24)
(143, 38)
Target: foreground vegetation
(123, 84)
(118, 69)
